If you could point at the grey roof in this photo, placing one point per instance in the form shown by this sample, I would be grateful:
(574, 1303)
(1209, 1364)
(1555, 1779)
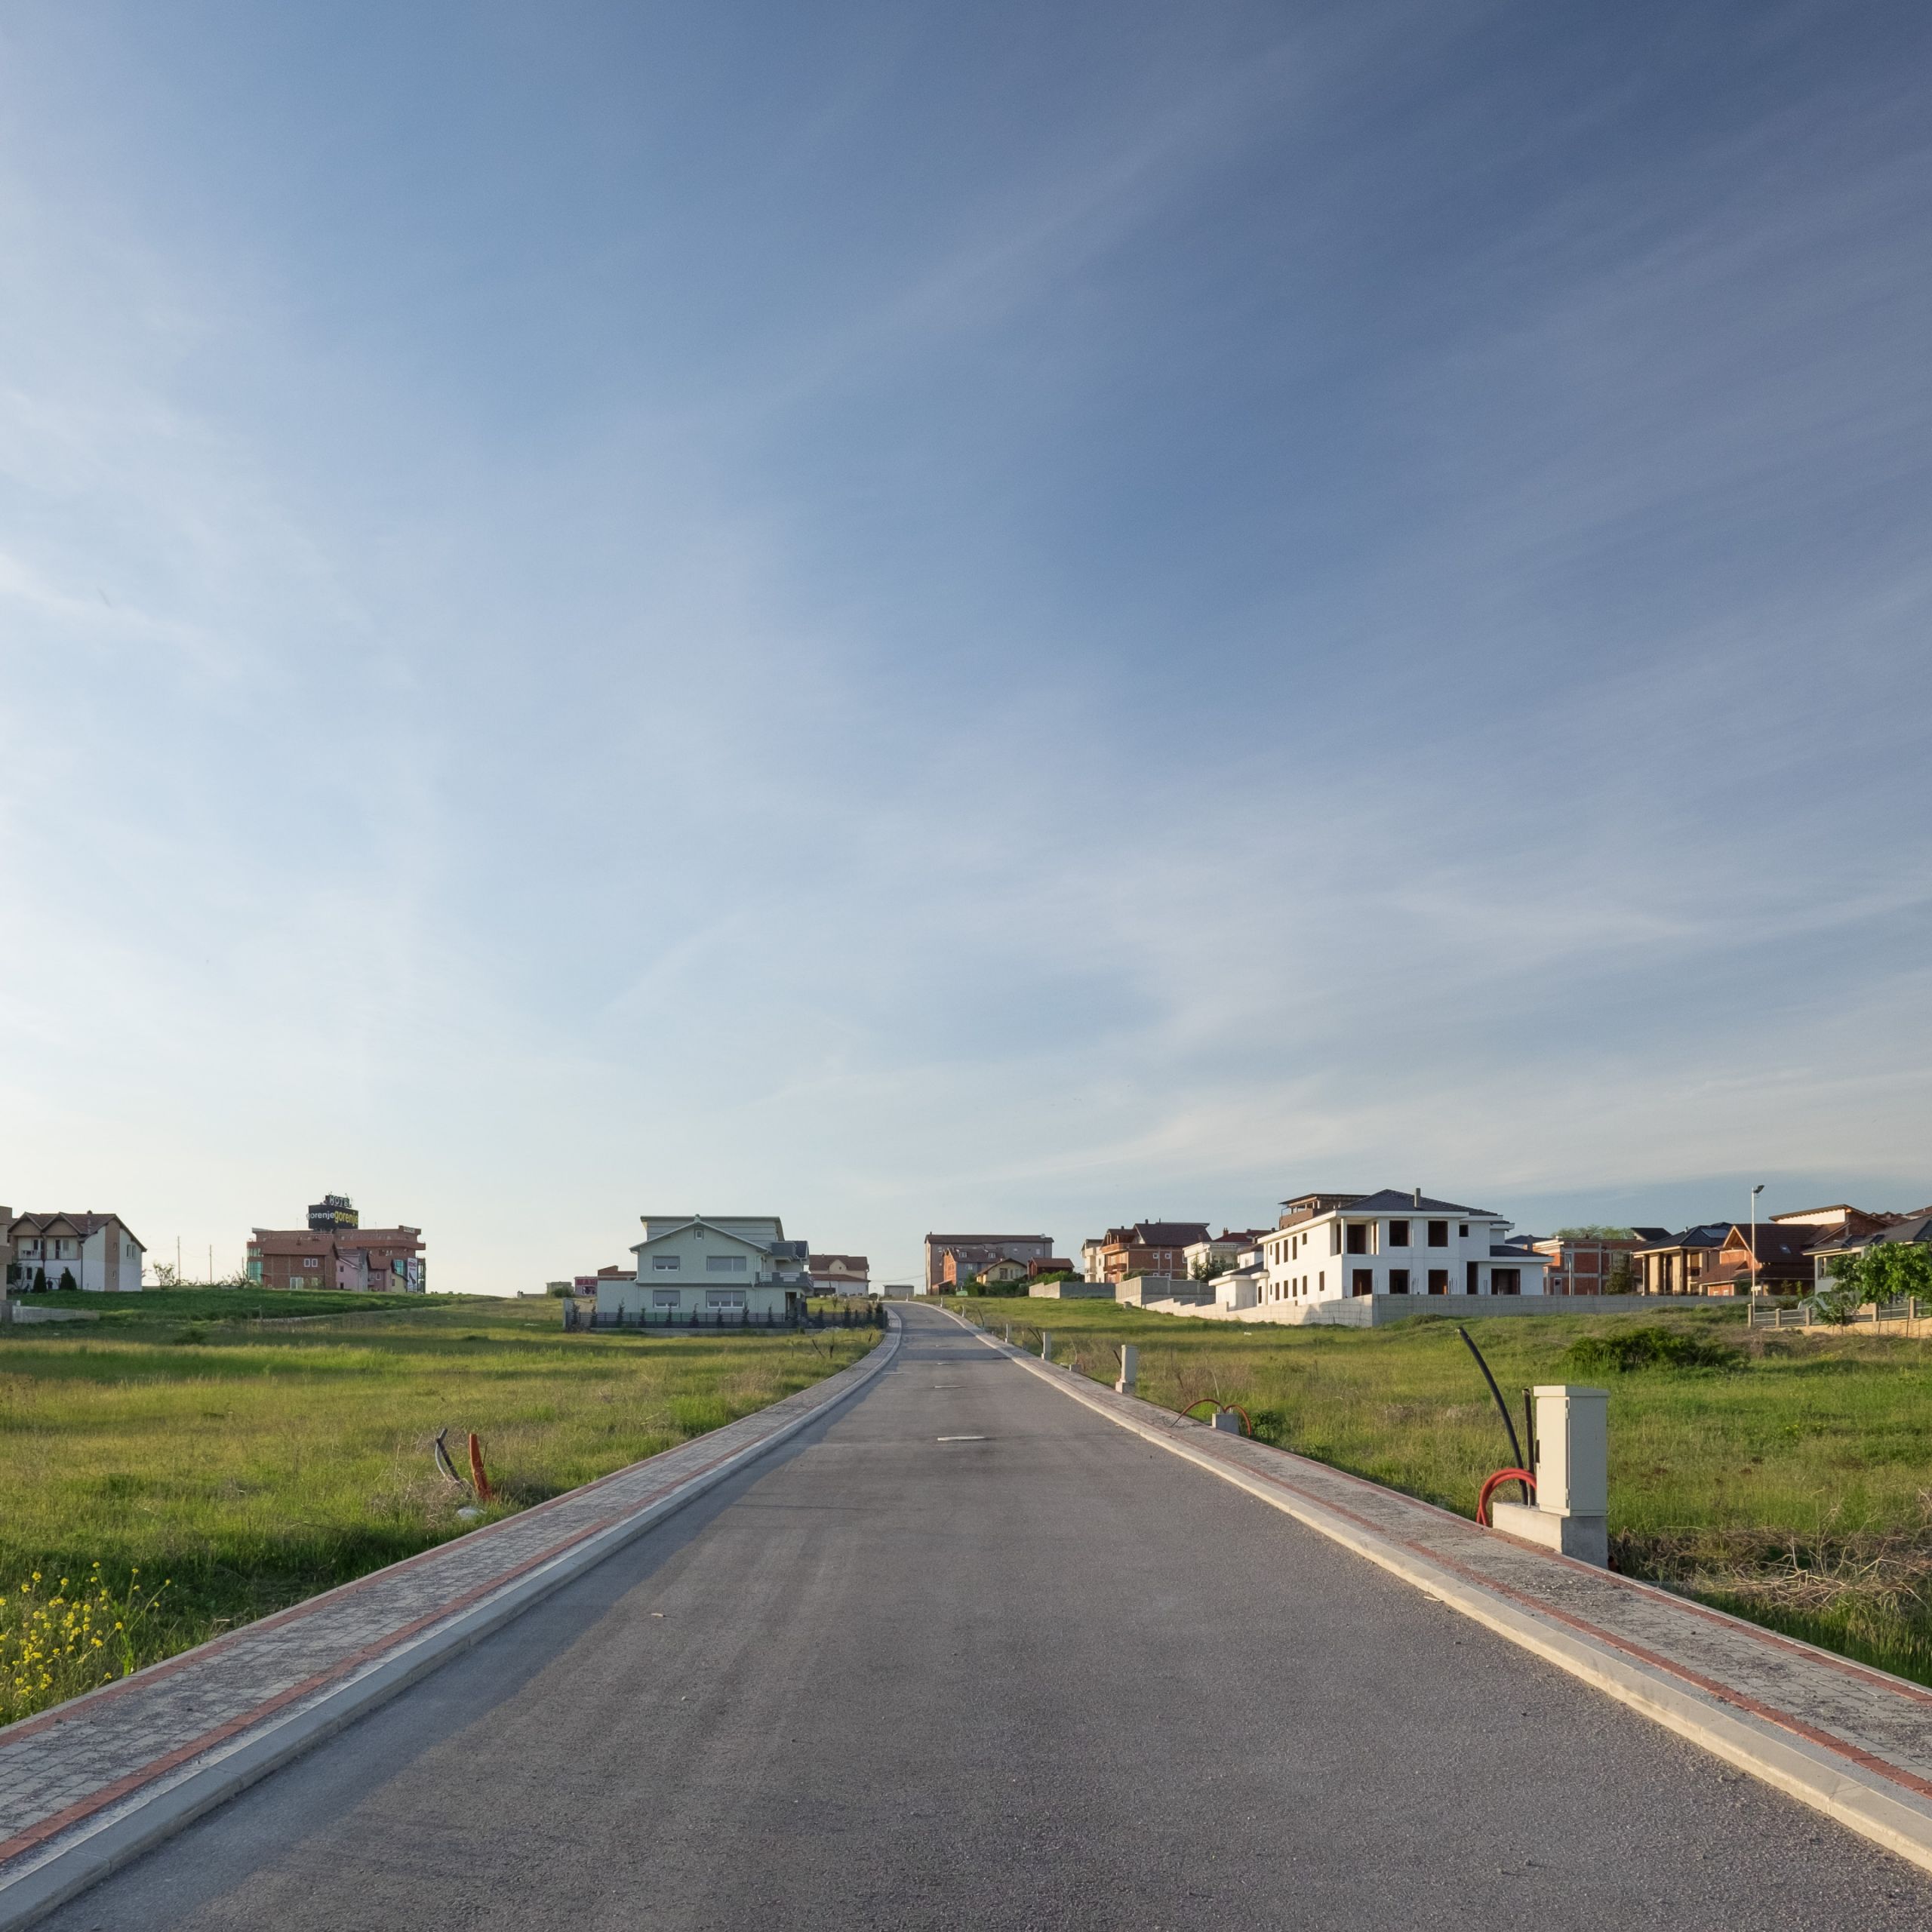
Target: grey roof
(1915, 1228)
(1507, 1251)
(1397, 1200)
(1653, 1235)
(1705, 1234)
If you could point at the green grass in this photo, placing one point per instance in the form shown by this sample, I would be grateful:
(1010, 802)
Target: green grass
(1786, 1475)
(146, 1305)
(249, 1468)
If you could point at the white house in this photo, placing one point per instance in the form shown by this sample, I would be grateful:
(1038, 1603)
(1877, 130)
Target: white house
(1223, 1251)
(1373, 1257)
(99, 1251)
(709, 1266)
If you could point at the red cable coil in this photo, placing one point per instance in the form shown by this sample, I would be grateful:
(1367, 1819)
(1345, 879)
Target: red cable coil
(1489, 1489)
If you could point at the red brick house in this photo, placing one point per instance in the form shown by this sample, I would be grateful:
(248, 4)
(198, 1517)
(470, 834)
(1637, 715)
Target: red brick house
(1596, 1264)
(1150, 1248)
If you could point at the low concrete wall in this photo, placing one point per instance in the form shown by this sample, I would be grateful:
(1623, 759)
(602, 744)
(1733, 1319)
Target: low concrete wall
(1071, 1291)
(1143, 1290)
(1375, 1311)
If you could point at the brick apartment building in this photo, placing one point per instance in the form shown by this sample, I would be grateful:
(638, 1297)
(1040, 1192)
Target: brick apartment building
(965, 1255)
(333, 1251)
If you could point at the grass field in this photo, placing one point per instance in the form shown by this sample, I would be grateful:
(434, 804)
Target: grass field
(147, 1305)
(1792, 1485)
(250, 1468)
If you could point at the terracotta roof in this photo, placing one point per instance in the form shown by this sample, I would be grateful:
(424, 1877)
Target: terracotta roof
(81, 1224)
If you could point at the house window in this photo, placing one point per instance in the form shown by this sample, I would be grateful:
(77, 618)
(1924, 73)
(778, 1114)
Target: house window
(1334, 1237)
(724, 1297)
(1438, 1234)
(724, 1264)
(1358, 1238)
(1321, 1279)
(1398, 1234)
(311, 1260)
(1365, 1281)
(1398, 1280)
(1473, 1280)
(1505, 1281)
(1439, 1281)
(666, 1264)
(664, 1297)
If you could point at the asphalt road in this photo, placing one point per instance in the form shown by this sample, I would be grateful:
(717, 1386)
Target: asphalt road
(1055, 1678)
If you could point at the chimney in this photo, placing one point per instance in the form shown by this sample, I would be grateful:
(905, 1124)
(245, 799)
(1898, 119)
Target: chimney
(1418, 1197)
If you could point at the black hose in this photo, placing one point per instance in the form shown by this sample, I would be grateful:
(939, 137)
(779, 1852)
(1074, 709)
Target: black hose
(1502, 1408)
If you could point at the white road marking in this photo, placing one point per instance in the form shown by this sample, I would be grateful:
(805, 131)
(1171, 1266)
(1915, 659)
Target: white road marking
(959, 1438)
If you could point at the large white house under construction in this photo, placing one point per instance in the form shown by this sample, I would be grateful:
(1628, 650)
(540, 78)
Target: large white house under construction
(1365, 1257)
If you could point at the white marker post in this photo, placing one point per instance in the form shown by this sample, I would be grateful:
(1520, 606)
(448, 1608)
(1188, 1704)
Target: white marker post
(1130, 1369)
(1046, 1345)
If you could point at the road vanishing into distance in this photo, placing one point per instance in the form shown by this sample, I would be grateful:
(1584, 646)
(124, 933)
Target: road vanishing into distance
(1040, 1675)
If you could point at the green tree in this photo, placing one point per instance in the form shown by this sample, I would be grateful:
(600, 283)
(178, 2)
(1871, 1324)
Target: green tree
(1593, 1233)
(1210, 1267)
(68, 1283)
(40, 1281)
(1884, 1271)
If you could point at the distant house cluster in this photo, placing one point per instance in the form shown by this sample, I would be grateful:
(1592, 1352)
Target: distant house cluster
(335, 1251)
(953, 1261)
(1788, 1253)
(1360, 1259)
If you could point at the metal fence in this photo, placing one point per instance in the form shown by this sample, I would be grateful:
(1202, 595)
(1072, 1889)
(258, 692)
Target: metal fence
(1762, 1312)
(672, 1320)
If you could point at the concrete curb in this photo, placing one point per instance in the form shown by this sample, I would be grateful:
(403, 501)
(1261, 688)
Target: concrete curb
(69, 1865)
(1831, 1775)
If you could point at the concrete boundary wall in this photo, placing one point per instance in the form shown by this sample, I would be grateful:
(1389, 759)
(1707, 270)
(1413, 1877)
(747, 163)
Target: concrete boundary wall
(91, 1784)
(1846, 1739)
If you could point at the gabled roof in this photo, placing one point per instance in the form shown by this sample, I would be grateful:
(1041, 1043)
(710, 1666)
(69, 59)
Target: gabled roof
(30, 1226)
(855, 1264)
(1166, 1234)
(1774, 1243)
(1400, 1200)
(1916, 1227)
(698, 1221)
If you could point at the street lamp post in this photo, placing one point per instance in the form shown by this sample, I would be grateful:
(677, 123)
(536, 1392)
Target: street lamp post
(1755, 1192)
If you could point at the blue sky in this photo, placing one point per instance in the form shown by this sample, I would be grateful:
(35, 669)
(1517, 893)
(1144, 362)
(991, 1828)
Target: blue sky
(931, 617)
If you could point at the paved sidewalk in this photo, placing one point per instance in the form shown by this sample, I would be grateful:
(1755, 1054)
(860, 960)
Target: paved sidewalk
(73, 1772)
(1853, 1741)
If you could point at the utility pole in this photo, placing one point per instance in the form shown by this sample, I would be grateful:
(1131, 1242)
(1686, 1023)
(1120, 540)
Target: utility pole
(1755, 1192)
